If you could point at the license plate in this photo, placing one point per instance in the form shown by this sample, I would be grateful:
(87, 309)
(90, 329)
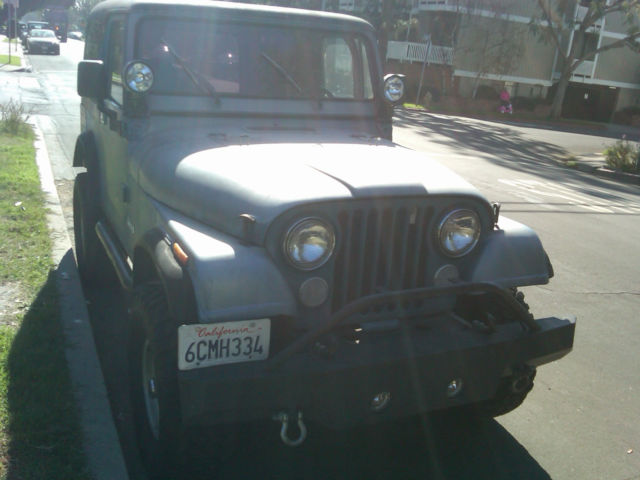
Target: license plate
(207, 345)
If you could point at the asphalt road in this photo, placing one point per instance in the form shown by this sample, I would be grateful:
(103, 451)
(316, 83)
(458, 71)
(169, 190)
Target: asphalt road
(582, 418)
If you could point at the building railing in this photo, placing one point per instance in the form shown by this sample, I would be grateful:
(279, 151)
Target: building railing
(418, 52)
(347, 5)
(585, 68)
(581, 12)
(427, 4)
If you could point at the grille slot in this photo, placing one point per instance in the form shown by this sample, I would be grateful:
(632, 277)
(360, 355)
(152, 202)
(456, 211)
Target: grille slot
(382, 250)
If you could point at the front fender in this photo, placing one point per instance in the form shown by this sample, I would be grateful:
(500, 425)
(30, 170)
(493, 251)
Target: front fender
(512, 256)
(231, 280)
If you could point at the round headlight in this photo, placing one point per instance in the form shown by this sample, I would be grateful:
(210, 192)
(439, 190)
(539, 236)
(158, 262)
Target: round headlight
(458, 232)
(138, 77)
(309, 243)
(393, 88)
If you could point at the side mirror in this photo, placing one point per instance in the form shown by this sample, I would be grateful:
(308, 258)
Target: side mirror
(394, 88)
(91, 79)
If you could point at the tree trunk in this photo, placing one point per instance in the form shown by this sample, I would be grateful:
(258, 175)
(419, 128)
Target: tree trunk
(558, 98)
(385, 28)
(567, 70)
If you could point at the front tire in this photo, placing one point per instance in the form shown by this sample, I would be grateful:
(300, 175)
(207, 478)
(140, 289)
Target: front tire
(153, 381)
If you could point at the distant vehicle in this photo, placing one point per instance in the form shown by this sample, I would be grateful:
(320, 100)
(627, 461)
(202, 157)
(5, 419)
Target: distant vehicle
(76, 35)
(58, 19)
(29, 28)
(43, 41)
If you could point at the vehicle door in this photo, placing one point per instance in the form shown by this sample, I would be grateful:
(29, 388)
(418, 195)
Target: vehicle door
(115, 164)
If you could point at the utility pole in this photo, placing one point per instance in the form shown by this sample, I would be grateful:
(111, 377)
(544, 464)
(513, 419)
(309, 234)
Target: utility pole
(13, 7)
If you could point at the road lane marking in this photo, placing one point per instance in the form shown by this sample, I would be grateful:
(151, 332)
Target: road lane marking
(534, 191)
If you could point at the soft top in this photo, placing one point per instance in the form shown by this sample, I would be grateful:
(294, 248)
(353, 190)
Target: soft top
(226, 11)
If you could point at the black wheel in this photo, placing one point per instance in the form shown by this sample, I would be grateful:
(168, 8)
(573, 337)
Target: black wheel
(153, 381)
(93, 264)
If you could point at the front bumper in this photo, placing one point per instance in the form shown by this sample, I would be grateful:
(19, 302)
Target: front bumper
(414, 363)
(44, 48)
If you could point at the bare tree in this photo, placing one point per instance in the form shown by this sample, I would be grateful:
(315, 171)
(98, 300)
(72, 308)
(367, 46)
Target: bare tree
(494, 44)
(558, 21)
(81, 10)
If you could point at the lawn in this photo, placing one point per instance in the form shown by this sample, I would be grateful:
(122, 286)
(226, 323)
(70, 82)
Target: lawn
(15, 60)
(39, 429)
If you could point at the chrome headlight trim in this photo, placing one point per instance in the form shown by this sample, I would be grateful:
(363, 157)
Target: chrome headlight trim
(309, 243)
(459, 232)
(394, 88)
(138, 77)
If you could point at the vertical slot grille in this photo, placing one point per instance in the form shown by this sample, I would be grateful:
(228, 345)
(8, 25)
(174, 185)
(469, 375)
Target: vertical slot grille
(382, 250)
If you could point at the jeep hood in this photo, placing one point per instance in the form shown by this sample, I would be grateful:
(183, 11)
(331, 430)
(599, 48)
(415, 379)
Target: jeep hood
(218, 185)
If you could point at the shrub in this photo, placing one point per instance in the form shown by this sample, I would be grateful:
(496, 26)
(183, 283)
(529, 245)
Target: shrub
(486, 92)
(13, 118)
(427, 98)
(626, 115)
(623, 155)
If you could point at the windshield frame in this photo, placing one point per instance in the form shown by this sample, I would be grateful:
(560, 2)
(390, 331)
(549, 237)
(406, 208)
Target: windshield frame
(363, 62)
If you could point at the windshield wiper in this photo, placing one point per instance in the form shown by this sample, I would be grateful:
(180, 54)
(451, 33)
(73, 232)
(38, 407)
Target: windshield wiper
(280, 69)
(195, 76)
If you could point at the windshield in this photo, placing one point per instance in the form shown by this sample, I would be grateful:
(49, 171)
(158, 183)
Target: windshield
(256, 61)
(43, 34)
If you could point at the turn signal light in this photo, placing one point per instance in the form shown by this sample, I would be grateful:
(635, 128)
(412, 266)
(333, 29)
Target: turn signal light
(180, 254)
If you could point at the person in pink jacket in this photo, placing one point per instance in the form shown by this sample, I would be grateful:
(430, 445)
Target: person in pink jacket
(505, 102)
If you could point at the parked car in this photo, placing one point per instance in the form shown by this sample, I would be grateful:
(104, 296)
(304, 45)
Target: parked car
(43, 41)
(30, 26)
(76, 35)
(285, 259)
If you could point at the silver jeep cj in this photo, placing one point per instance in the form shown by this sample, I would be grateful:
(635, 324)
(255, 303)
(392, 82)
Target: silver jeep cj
(287, 260)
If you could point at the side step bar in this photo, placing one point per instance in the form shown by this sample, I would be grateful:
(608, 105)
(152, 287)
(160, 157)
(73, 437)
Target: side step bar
(117, 258)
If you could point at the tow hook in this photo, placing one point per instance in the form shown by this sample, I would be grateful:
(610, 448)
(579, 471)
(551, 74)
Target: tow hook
(284, 418)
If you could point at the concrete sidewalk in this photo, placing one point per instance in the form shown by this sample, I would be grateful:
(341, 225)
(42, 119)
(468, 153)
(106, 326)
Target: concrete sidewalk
(13, 48)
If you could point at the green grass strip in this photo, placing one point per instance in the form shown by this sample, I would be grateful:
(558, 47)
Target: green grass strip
(39, 429)
(15, 60)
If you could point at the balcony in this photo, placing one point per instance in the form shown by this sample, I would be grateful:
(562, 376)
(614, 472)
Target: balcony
(347, 5)
(585, 69)
(418, 52)
(581, 12)
(434, 4)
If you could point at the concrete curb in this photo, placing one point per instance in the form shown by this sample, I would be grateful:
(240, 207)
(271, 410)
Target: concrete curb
(100, 438)
(594, 166)
(615, 175)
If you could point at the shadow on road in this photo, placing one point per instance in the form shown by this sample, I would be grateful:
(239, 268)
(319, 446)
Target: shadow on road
(503, 146)
(437, 447)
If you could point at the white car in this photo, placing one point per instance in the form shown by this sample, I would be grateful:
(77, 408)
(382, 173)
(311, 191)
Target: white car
(76, 35)
(43, 41)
